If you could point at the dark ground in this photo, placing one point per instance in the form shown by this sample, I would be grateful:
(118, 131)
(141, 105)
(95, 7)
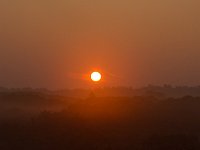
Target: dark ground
(42, 122)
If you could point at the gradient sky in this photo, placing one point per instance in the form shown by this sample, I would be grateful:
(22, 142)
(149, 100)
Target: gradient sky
(55, 44)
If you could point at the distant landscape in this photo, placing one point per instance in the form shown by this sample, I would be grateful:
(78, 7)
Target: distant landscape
(150, 118)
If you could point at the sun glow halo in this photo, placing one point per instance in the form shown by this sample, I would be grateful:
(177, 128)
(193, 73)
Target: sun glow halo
(95, 76)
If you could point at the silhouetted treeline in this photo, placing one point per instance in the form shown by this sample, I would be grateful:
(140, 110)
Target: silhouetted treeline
(164, 91)
(45, 121)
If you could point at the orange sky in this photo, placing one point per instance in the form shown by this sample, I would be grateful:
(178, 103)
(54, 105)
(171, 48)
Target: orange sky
(56, 43)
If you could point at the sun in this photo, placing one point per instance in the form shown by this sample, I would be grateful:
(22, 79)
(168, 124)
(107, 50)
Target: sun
(95, 76)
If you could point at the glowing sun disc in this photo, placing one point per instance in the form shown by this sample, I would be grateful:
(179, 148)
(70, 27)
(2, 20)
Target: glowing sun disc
(96, 76)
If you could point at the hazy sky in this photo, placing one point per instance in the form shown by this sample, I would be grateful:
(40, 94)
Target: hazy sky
(55, 44)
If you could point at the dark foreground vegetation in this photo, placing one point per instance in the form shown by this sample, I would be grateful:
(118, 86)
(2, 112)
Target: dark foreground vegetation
(36, 121)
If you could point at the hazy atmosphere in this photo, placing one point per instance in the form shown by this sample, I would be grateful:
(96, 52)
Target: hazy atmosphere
(55, 44)
(99, 75)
